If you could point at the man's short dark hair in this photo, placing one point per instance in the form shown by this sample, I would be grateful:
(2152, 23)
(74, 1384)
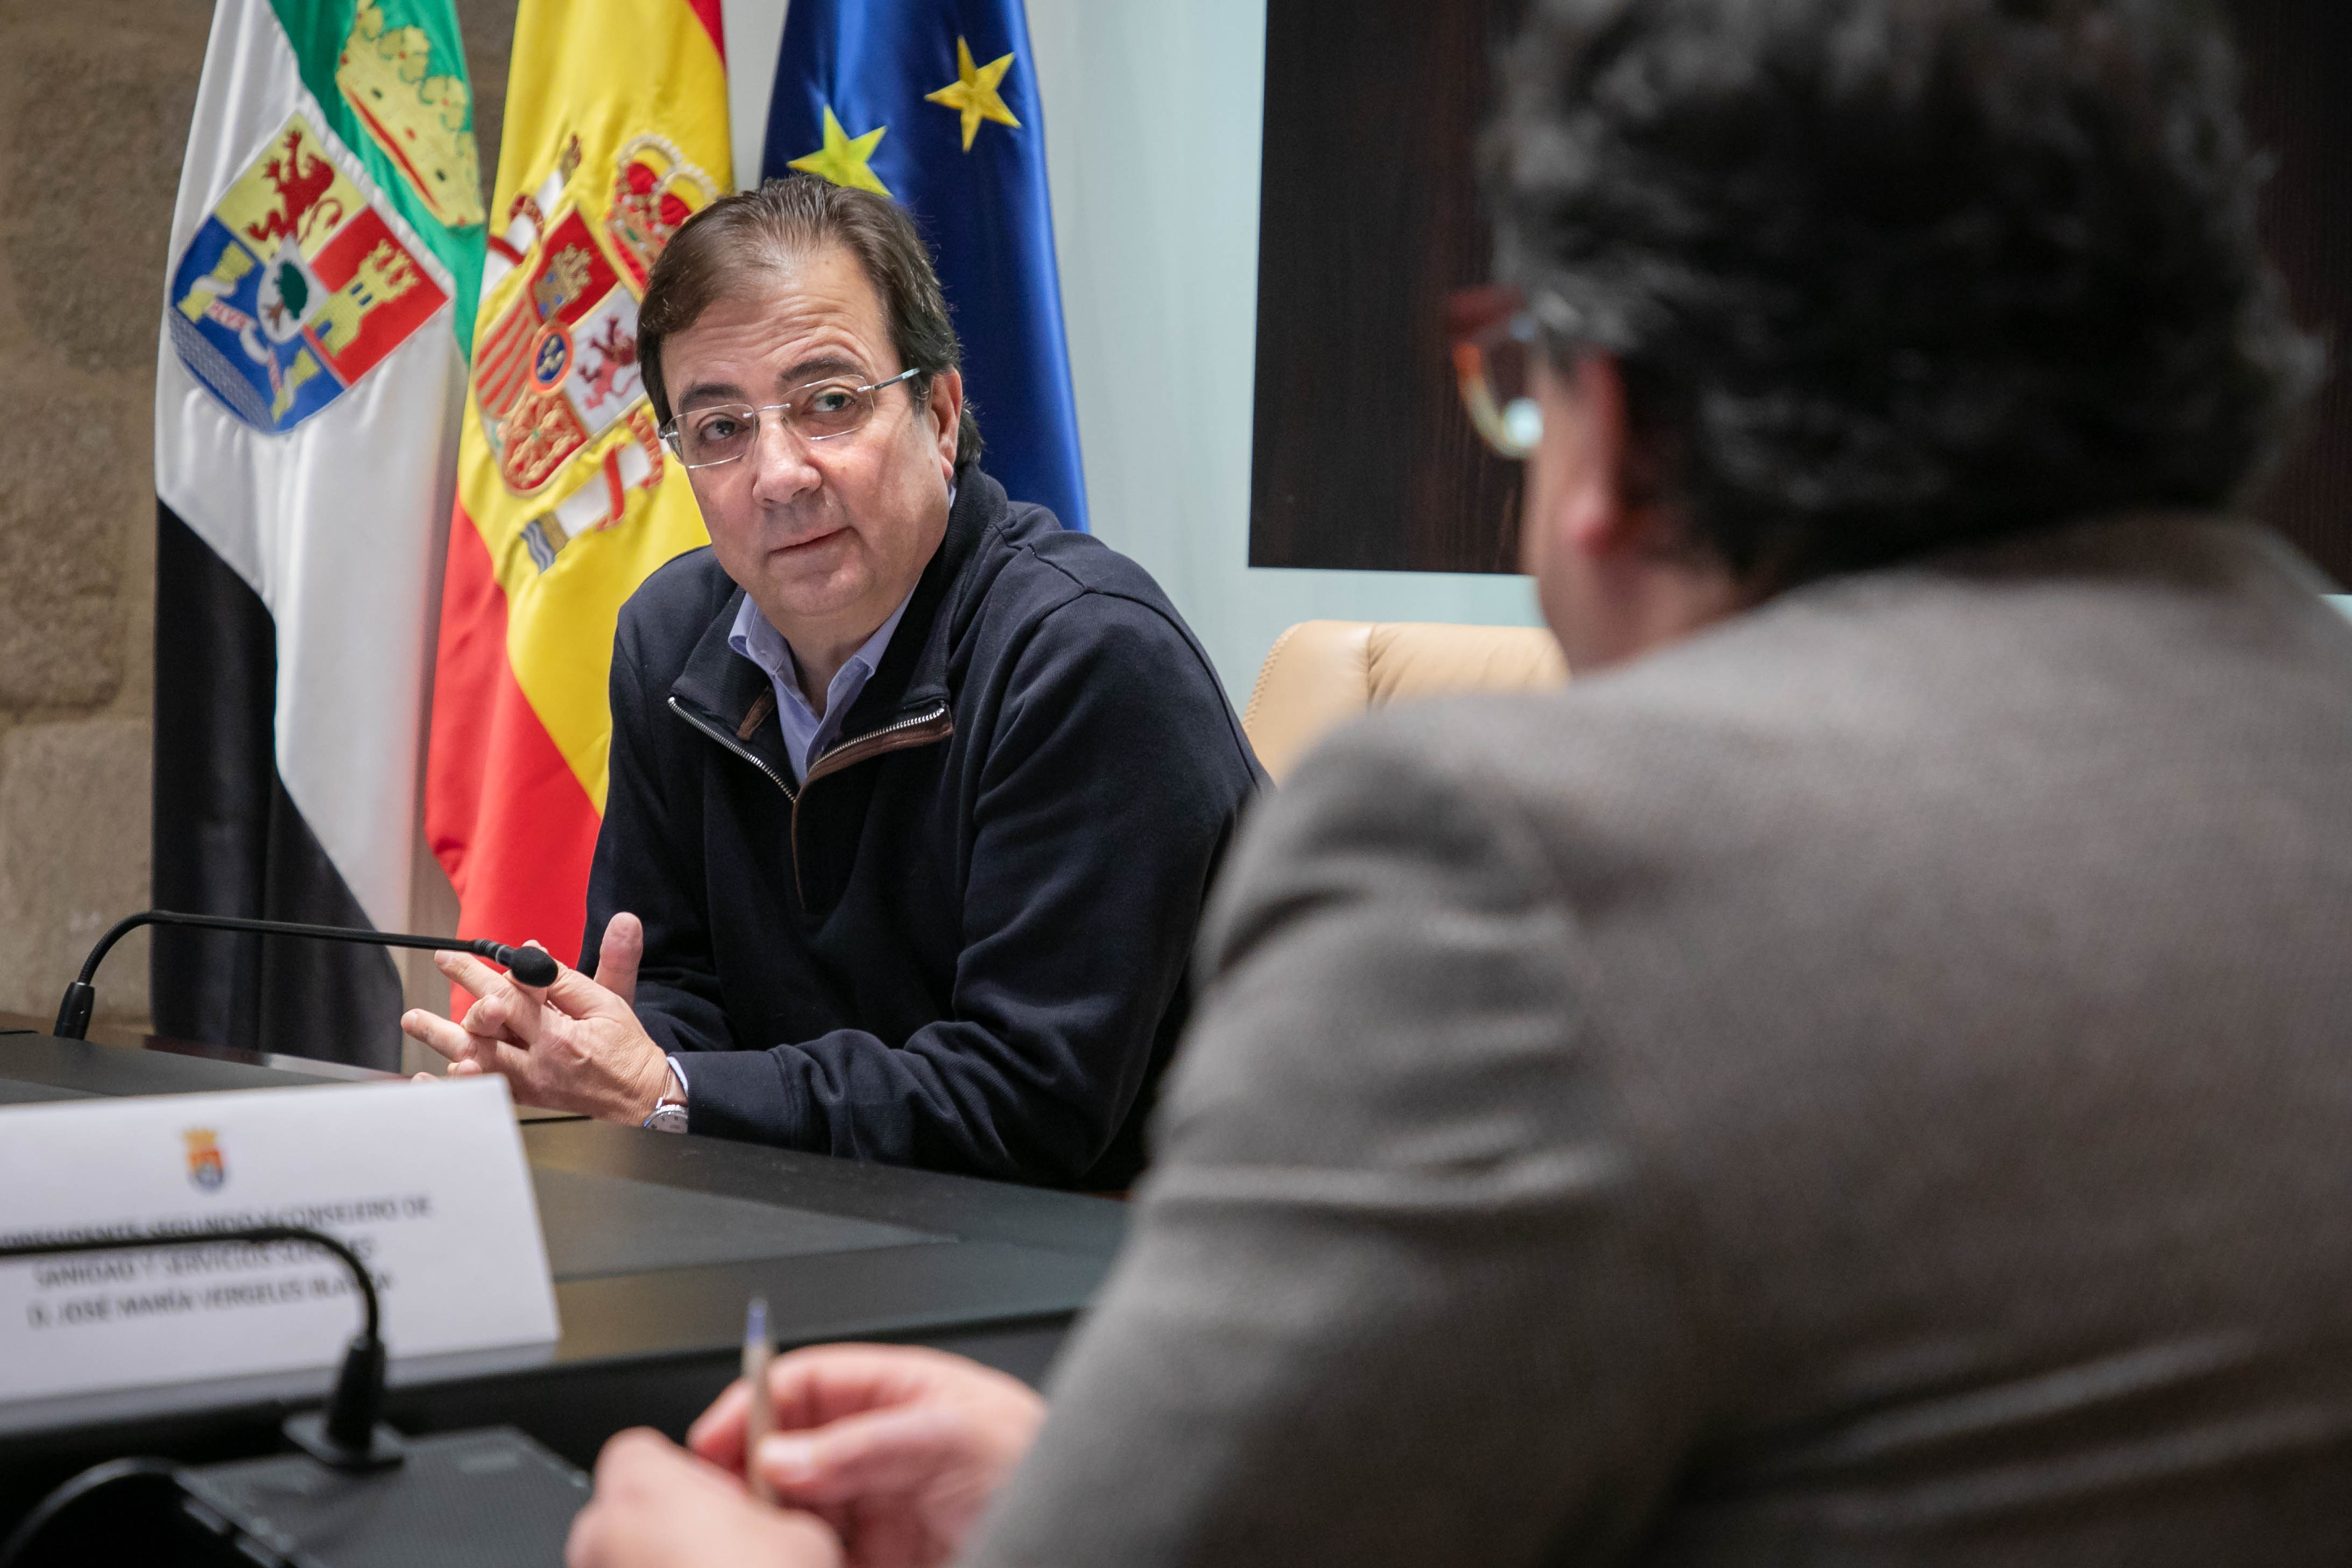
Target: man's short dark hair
(1884, 275)
(730, 244)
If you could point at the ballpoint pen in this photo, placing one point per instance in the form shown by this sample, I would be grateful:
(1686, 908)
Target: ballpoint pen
(761, 1418)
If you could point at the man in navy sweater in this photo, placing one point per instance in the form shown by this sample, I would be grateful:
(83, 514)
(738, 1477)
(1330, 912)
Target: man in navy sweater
(914, 796)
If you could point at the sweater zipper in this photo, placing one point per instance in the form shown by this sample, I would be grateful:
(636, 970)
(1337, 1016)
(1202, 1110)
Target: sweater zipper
(728, 740)
(874, 743)
(921, 729)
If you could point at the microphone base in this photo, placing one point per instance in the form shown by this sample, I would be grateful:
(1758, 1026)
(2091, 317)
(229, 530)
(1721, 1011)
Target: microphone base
(491, 1497)
(386, 1449)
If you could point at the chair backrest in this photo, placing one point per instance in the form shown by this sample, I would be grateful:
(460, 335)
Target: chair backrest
(1320, 673)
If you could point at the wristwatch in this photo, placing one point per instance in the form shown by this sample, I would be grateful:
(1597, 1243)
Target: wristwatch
(669, 1111)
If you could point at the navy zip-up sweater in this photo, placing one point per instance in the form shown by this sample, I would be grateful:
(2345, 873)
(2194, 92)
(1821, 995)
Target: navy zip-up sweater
(961, 944)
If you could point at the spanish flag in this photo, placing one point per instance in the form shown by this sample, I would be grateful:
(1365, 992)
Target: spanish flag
(615, 134)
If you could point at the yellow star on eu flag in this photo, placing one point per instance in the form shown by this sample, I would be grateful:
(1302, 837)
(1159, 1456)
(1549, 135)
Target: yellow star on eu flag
(843, 157)
(973, 92)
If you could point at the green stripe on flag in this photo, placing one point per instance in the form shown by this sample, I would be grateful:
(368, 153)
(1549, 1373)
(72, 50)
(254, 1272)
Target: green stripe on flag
(391, 76)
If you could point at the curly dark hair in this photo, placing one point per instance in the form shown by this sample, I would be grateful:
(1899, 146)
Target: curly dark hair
(738, 240)
(1884, 275)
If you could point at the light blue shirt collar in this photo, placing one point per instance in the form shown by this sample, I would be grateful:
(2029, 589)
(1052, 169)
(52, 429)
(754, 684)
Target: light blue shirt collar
(805, 734)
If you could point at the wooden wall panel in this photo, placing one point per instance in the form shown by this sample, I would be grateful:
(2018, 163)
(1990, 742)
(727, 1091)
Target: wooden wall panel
(1369, 215)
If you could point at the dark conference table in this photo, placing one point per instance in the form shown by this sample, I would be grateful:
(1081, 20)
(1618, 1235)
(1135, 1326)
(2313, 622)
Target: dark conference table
(656, 1242)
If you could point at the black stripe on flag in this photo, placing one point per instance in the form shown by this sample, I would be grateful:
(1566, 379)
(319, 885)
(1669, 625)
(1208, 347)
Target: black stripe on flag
(230, 841)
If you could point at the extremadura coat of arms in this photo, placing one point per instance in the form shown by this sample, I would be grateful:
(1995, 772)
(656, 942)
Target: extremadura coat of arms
(294, 286)
(305, 276)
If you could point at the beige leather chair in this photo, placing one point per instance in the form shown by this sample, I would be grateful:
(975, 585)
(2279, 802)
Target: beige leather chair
(1320, 673)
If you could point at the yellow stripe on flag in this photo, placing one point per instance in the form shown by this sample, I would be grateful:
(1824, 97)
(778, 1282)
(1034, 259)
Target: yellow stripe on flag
(615, 132)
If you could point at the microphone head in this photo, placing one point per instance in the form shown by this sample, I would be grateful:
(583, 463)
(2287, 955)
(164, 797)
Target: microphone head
(531, 965)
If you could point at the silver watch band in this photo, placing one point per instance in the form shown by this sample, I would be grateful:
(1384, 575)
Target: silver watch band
(669, 1113)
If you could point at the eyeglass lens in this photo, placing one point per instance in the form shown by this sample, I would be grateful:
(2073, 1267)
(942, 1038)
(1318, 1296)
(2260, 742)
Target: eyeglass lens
(725, 432)
(1500, 391)
(1494, 365)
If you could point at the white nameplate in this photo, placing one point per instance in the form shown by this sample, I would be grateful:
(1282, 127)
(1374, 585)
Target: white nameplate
(426, 1183)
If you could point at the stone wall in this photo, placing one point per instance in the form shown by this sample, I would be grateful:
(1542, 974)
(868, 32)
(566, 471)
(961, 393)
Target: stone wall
(96, 98)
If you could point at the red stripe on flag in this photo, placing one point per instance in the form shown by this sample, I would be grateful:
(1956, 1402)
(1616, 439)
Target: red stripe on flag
(707, 11)
(616, 497)
(472, 649)
(503, 811)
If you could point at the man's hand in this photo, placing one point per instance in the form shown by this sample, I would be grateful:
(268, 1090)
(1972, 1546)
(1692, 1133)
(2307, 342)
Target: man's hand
(575, 1044)
(899, 1449)
(658, 1506)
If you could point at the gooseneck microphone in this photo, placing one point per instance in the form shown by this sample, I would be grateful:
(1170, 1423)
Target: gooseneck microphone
(531, 965)
(347, 1434)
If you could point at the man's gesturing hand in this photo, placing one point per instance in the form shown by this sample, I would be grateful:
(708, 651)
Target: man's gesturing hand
(658, 1507)
(575, 1044)
(899, 1449)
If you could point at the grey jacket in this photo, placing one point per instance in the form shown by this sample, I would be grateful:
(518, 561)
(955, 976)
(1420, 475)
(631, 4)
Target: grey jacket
(1871, 1084)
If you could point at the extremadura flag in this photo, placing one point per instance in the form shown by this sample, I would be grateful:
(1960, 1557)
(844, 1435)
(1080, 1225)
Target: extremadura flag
(318, 299)
(934, 103)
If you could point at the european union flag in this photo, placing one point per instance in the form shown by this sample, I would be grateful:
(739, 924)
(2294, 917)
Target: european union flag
(934, 103)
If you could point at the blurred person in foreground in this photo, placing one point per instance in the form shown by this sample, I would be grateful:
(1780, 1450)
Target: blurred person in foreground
(1861, 1077)
(914, 797)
